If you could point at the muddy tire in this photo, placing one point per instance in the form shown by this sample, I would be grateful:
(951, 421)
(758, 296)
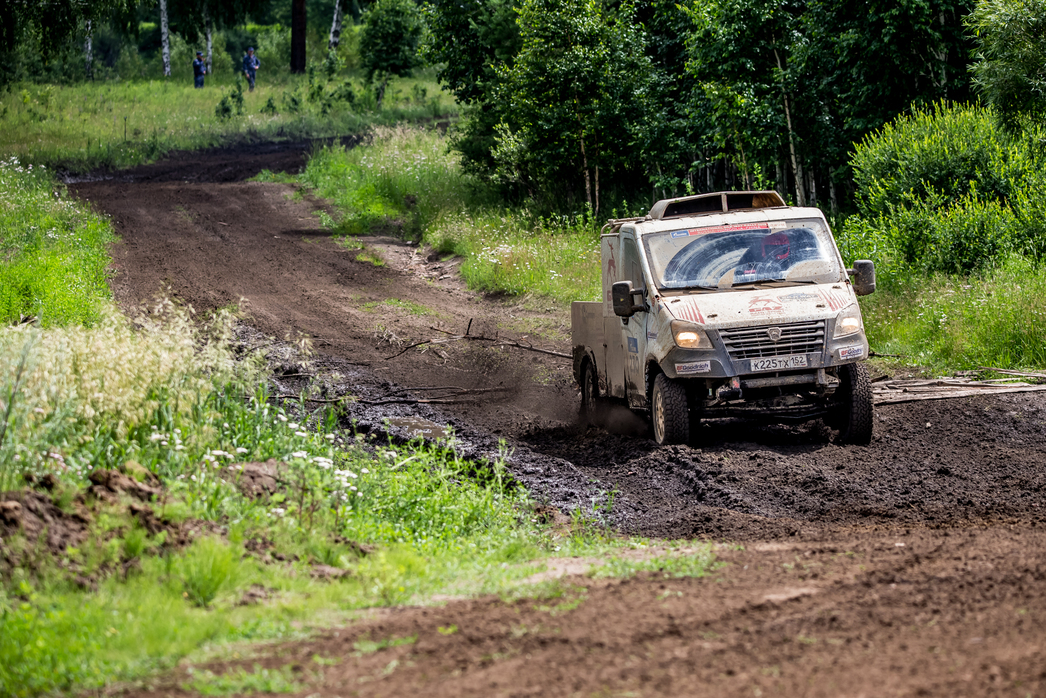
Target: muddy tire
(668, 412)
(854, 416)
(591, 402)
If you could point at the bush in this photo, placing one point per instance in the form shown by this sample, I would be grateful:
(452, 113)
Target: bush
(935, 156)
(207, 567)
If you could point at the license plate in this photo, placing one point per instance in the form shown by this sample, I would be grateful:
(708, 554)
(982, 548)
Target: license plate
(779, 363)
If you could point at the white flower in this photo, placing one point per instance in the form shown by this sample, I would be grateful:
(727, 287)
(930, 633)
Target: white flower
(241, 449)
(300, 454)
(281, 418)
(300, 433)
(365, 471)
(292, 425)
(179, 447)
(330, 437)
(164, 443)
(157, 436)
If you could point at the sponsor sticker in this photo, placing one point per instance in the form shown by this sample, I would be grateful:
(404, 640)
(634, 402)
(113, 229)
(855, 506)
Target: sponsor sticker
(651, 335)
(633, 345)
(719, 229)
(694, 367)
(851, 352)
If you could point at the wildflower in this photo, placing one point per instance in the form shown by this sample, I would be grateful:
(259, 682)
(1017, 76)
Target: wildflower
(157, 436)
(292, 425)
(281, 417)
(241, 449)
(300, 433)
(365, 471)
(300, 454)
(330, 437)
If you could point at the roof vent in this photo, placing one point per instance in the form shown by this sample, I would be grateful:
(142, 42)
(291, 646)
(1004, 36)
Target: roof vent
(718, 202)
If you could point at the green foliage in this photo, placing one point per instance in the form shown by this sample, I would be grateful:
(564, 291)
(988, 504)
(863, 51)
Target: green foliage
(946, 324)
(1010, 67)
(205, 569)
(53, 254)
(243, 682)
(571, 99)
(944, 190)
(672, 565)
(117, 124)
(389, 41)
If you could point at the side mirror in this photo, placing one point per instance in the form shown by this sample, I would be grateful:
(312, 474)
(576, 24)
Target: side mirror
(622, 294)
(864, 277)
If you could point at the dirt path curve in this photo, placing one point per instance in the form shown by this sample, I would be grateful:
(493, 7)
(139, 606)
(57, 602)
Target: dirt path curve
(913, 566)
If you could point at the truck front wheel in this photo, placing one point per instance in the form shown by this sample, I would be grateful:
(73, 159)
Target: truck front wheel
(854, 411)
(668, 411)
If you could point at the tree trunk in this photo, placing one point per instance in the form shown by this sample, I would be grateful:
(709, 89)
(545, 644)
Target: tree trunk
(209, 30)
(335, 37)
(831, 197)
(584, 167)
(88, 54)
(298, 30)
(797, 169)
(165, 40)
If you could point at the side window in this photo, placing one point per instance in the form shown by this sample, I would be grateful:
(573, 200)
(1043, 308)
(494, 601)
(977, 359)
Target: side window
(631, 266)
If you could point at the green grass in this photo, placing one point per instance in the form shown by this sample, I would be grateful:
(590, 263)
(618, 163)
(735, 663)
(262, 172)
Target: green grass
(243, 682)
(121, 123)
(408, 180)
(53, 254)
(165, 395)
(407, 306)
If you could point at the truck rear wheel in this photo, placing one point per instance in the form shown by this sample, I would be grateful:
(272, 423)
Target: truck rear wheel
(668, 411)
(855, 415)
(590, 401)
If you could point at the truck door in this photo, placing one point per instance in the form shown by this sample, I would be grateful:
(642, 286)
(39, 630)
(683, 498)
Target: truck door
(614, 353)
(634, 329)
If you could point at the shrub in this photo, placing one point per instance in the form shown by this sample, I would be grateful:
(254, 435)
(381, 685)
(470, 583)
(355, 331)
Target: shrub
(207, 567)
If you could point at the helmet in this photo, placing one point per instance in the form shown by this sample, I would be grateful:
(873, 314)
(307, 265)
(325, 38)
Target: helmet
(776, 246)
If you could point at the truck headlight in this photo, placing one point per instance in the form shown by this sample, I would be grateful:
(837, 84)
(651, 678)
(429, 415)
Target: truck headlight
(848, 322)
(689, 336)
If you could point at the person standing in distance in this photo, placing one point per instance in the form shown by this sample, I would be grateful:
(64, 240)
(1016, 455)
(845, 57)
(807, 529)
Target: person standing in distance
(250, 67)
(199, 69)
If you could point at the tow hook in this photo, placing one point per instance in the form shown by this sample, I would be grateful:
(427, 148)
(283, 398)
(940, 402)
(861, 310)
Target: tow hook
(731, 390)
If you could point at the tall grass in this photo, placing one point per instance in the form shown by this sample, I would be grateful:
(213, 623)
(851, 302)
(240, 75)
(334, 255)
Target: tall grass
(407, 180)
(53, 254)
(118, 123)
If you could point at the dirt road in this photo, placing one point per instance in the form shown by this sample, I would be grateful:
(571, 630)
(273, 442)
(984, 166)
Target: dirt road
(913, 566)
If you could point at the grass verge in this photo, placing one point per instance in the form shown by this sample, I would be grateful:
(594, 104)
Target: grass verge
(118, 124)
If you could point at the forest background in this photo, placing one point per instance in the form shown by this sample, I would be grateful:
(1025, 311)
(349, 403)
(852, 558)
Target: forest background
(504, 131)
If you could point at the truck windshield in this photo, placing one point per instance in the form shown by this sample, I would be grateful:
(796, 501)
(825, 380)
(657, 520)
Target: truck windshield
(721, 257)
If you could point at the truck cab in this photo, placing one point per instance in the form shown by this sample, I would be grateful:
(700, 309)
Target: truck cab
(724, 305)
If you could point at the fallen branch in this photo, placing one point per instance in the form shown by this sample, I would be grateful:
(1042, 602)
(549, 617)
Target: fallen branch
(479, 338)
(314, 399)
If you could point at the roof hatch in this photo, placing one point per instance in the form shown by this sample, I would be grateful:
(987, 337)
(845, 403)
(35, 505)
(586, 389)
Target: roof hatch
(718, 202)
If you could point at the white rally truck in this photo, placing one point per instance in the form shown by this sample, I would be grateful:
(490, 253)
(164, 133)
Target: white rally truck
(730, 304)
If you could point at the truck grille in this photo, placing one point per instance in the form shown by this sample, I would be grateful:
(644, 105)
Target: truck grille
(755, 342)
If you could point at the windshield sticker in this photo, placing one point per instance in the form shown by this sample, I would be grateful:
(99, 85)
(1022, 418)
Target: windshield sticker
(764, 304)
(694, 367)
(651, 335)
(633, 345)
(719, 229)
